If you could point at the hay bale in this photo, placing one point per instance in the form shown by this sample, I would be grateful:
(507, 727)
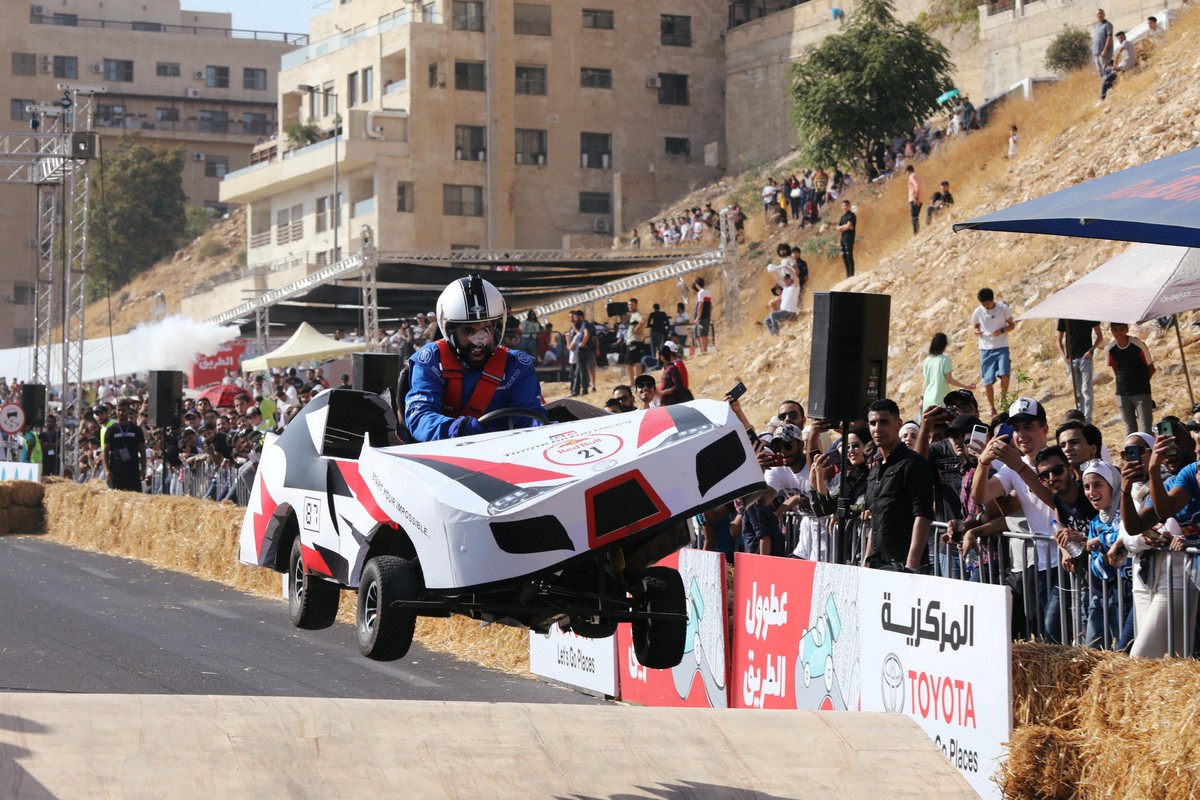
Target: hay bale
(1049, 679)
(22, 519)
(21, 493)
(1043, 762)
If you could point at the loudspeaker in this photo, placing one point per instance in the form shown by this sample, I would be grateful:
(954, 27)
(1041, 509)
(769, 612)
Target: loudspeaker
(33, 403)
(84, 144)
(616, 309)
(374, 372)
(849, 354)
(166, 398)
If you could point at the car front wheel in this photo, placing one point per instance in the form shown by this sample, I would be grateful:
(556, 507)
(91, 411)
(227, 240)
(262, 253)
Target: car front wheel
(385, 631)
(312, 602)
(659, 643)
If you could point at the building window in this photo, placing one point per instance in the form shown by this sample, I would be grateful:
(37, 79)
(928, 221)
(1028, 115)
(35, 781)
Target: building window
(470, 143)
(66, 67)
(595, 203)
(595, 150)
(118, 70)
(595, 78)
(673, 89)
(214, 121)
(24, 63)
(351, 90)
(469, 76)
(676, 30)
(254, 123)
(404, 196)
(327, 98)
(462, 201)
(152, 27)
(166, 115)
(464, 248)
(677, 146)
(110, 115)
(70, 20)
(429, 12)
(321, 217)
(23, 294)
(531, 80)
(531, 146)
(435, 77)
(166, 69)
(468, 15)
(216, 166)
(368, 84)
(531, 20)
(254, 78)
(597, 18)
(17, 112)
(216, 77)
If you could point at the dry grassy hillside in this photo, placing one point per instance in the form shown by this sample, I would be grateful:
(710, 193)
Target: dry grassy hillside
(1066, 138)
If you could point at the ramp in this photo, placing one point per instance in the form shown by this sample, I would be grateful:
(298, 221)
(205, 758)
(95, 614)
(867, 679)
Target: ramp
(141, 746)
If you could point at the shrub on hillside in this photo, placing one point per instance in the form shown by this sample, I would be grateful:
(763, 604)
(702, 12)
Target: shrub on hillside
(1070, 50)
(211, 247)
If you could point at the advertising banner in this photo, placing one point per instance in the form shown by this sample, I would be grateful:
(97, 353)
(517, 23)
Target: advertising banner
(824, 636)
(699, 681)
(20, 471)
(208, 369)
(564, 657)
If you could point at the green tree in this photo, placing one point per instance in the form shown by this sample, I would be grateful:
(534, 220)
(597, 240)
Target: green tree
(1070, 50)
(137, 212)
(875, 80)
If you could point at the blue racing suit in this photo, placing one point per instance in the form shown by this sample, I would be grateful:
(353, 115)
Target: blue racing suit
(430, 415)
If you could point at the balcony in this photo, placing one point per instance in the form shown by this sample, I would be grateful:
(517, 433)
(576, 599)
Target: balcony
(72, 21)
(334, 43)
(143, 123)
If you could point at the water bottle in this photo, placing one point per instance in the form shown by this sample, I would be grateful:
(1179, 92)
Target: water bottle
(1074, 548)
(971, 563)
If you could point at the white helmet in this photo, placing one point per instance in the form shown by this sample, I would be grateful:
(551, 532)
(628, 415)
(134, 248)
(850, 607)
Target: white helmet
(470, 299)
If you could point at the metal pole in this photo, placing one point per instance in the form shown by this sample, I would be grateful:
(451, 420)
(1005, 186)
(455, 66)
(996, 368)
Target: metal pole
(1183, 360)
(337, 199)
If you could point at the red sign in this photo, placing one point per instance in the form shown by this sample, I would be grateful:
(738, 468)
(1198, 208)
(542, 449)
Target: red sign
(211, 369)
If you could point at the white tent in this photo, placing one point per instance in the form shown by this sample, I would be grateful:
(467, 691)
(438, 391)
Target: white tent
(102, 358)
(306, 344)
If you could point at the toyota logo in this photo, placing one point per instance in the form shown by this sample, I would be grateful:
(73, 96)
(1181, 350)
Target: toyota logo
(893, 685)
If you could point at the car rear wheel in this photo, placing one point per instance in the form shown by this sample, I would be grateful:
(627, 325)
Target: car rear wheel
(312, 602)
(384, 630)
(658, 643)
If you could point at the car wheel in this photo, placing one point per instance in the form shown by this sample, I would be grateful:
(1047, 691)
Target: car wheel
(384, 630)
(658, 643)
(583, 626)
(312, 602)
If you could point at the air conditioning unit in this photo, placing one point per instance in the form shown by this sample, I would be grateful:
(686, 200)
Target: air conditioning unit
(46, 66)
(193, 92)
(198, 74)
(653, 82)
(197, 156)
(38, 11)
(97, 68)
(9, 298)
(601, 225)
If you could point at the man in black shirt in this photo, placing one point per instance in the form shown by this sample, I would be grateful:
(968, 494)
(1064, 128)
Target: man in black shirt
(846, 226)
(1078, 341)
(659, 324)
(125, 451)
(899, 495)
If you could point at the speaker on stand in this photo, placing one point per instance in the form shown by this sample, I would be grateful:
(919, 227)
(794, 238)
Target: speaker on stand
(33, 403)
(165, 391)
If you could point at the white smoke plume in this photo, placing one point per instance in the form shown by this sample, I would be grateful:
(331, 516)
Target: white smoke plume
(176, 340)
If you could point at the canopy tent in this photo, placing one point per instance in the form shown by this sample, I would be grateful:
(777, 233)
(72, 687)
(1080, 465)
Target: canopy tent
(1146, 282)
(306, 344)
(1157, 203)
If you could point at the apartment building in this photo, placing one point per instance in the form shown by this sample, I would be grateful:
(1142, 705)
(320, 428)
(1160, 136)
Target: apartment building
(179, 78)
(499, 124)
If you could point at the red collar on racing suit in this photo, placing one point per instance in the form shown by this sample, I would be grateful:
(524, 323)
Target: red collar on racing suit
(485, 390)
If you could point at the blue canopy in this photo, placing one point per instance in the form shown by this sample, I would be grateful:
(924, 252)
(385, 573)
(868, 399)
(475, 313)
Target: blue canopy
(1157, 203)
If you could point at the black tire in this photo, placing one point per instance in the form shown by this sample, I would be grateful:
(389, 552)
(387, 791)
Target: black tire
(312, 602)
(385, 631)
(582, 626)
(658, 643)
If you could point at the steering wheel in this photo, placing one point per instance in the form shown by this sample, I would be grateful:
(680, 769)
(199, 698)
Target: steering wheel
(509, 413)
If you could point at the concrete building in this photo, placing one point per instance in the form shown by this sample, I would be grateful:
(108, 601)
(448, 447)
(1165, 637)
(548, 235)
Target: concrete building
(179, 78)
(490, 125)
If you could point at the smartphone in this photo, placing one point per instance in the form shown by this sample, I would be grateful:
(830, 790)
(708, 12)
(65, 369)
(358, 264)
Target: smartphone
(1132, 453)
(1165, 428)
(950, 411)
(1005, 430)
(977, 440)
(737, 391)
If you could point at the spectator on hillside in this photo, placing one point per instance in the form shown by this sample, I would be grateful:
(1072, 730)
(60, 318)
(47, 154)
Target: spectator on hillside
(1125, 57)
(635, 340)
(580, 356)
(530, 328)
(703, 314)
(939, 202)
(681, 324)
(795, 195)
(674, 385)
(659, 325)
(1133, 368)
(938, 373)
(1078, 341)
(1102, 42)
(801, 273)
(847, 226)
(1013, 140)
(786, 265)
(992, 321)
(769, 193)
(1154, 34)
(789, 305)
(914, 198)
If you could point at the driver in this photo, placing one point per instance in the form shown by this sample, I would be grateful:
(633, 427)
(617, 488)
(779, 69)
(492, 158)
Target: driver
(467, 373)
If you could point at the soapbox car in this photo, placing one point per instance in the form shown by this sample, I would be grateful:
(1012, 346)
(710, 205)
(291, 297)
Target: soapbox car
(529, 527)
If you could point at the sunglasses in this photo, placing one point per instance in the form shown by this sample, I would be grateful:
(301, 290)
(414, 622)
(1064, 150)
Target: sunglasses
(786, 415)
(1053, 472)
(854, 446)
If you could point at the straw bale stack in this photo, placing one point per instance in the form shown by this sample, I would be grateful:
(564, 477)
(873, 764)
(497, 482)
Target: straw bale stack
(21, 507)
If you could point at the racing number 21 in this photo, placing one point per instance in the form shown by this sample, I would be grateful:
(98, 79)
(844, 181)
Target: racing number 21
(589, 452)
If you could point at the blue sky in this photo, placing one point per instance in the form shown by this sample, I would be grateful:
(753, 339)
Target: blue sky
(289, 16)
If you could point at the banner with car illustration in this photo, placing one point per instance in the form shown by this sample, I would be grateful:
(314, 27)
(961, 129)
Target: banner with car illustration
(823, 636)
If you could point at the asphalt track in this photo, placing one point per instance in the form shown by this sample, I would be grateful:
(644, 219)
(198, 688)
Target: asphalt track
(73, 621)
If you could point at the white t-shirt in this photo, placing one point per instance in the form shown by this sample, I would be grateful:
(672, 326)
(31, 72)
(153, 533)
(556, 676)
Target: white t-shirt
(990, 321)
(1039, 516)
(787, 482)
(789, 300)
(786, 266)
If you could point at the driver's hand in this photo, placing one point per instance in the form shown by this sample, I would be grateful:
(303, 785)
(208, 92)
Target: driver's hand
(465, 426)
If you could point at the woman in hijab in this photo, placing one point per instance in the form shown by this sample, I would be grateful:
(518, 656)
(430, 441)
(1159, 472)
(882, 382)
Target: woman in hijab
(1102, 487)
